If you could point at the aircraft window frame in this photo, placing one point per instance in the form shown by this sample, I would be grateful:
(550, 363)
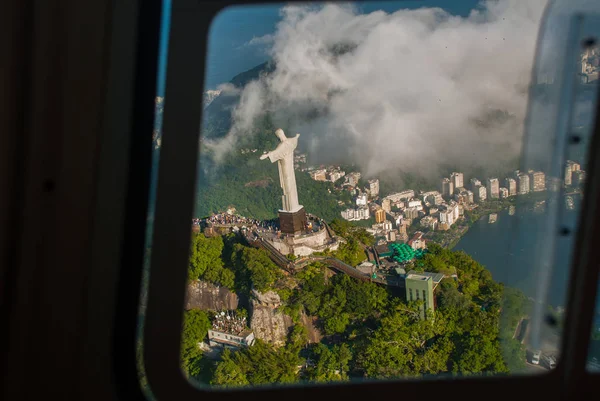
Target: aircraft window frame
(190, 21)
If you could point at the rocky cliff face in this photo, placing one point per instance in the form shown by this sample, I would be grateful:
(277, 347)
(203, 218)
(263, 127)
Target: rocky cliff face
(309, 322)
(271, 325)
(267, 322)
(207, 296)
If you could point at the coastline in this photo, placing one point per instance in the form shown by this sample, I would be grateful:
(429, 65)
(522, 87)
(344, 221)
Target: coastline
(449, 239)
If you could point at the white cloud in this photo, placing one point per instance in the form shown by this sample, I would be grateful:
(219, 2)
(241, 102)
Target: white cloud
(261, 40)
(411, 92)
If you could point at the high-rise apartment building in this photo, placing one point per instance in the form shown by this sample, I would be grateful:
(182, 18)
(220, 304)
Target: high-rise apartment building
(493, 188)
(318, 175)
(379, 216)
(537, 181)
(523, 184)
(474, 182)
(574, 165)
(447, 187)
(374, 188)
(386, 205)
(411, 213)
(568, 174)
(578, 177)
(361, 200)
(353, 178)
(503, 193)
(480, 193)
(457, 179)
(511, 185)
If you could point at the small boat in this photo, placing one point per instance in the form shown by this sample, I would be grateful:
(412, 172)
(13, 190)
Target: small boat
(493, 218)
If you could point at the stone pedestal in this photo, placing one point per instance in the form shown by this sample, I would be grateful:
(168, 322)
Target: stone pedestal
(292, 222)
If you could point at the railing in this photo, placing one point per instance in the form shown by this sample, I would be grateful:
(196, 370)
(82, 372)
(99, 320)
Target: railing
(333, 263)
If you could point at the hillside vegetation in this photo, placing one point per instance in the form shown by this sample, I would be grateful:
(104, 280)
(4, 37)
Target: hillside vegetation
(368, 331)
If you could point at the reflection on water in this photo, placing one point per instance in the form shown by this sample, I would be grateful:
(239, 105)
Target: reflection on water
(507, 249)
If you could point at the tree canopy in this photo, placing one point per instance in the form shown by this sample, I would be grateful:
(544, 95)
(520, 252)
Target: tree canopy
(206, 262)
(369, 332)
(195, 327)
(254, 269)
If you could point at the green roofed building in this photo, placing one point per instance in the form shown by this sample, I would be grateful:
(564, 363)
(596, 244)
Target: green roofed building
(421, 286)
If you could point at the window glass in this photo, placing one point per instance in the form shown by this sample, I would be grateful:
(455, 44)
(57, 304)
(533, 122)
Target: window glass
(353, 153)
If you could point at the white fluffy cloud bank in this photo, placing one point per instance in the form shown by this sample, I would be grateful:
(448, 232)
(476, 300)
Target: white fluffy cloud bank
(419, 88)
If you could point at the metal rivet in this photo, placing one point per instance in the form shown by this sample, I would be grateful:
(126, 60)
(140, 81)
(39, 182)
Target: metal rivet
(588, 42)
(575, 139)
(565, 231)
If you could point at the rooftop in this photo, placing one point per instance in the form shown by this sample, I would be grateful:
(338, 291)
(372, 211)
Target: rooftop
(436, 277)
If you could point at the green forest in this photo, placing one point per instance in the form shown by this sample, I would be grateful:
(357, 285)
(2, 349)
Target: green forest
(368, 331)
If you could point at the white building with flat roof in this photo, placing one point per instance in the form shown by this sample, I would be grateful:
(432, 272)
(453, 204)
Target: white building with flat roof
(400, 196)
(493, 188)
(457, 179)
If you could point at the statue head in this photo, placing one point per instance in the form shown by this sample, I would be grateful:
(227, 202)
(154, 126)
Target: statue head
(280, 135)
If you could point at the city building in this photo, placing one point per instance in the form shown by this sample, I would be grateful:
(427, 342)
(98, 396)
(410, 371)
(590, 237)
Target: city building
(379, 216)
(493, 188)
(589, 63)
(417, 241)
(421, 287)
(374, 187)
(230, 331)
(446, 217)
(578, 177)
(361, 200)
(416, 203)
(335, 175)
(503, 193)
(402, 234)
(447, 187)
(391, 236)
(568, 174)
(463, 196)
(523, 184)
(411, 213)
(386, 205)
(570, 167)
(429, 222)
(318, 175)
(404, 195)
(300, 158)
(474, 184)
(470, 197)
(537, 181)
(361, 213)
(511, 185)
(353, 178)
(457, 179)
(433, 197)
(480, 193)
(453, 207)
(574, 165)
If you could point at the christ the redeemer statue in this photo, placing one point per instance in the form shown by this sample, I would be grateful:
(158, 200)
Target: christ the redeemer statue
(292, 217)
(284, 156)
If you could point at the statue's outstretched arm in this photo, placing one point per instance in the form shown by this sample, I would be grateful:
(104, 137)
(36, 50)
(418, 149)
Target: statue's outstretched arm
(264, 156)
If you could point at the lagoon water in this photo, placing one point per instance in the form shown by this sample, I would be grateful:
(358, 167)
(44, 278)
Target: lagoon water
(510, 247)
